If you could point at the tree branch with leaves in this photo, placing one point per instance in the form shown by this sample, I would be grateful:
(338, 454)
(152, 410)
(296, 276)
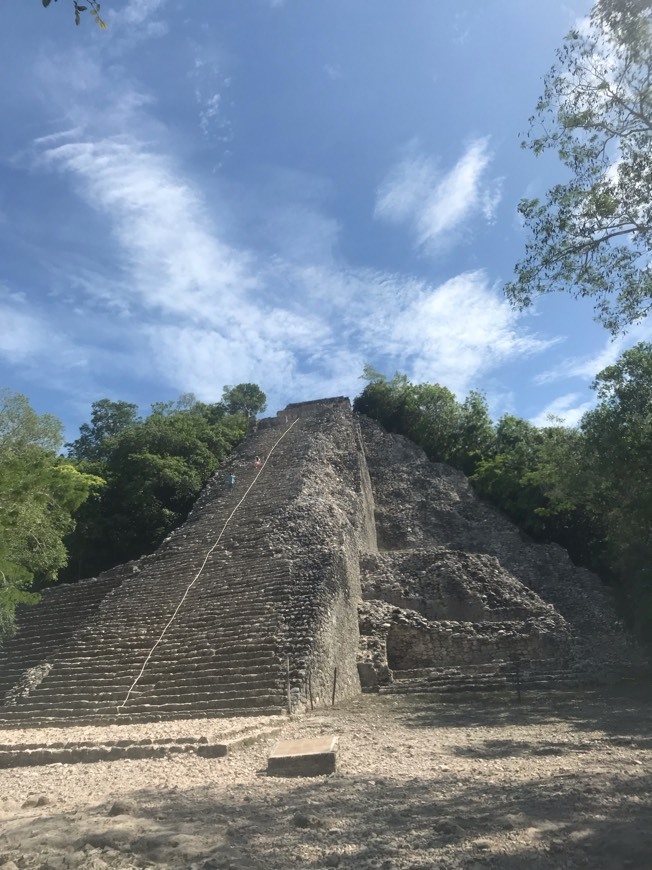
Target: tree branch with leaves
(91, 6)
(592, 235)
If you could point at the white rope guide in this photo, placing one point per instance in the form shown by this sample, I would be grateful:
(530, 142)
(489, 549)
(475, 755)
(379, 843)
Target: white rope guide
(203, 565)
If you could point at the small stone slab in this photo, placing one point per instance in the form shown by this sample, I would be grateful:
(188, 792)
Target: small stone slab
(309, 756)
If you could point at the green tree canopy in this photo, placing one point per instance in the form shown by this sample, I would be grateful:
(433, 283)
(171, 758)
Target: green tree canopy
(617, 438)
(154, 469)
(592, 235)
(246, 399)
(108, 420)
(429, 414)
(39, 493)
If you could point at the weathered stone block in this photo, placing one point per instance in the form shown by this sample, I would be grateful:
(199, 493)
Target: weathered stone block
(309, 756)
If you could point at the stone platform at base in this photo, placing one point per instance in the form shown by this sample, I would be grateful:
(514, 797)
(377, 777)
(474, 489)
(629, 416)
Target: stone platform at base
(309, 756)
(111, 748)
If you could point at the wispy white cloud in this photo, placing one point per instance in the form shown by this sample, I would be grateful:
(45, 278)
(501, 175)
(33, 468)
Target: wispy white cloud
(57, 349)
(213, 313)
(137, 22)
(458, 331)
(138, 11)
(210, 85)
(587, 367)
(436, 205)
(175, 259)
(567, 409)
(22, 335)
(453, 333)
(333, 71)
(202, 309)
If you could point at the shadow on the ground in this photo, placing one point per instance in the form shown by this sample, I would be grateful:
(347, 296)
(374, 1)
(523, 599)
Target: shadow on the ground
(578, 820)
(620, 712)
(596, 816)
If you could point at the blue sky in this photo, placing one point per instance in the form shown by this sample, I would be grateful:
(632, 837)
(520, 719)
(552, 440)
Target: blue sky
(278, 191)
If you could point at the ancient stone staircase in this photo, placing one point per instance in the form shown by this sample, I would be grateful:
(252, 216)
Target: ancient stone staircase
(63, 611)
(489, 678)
(225, 652)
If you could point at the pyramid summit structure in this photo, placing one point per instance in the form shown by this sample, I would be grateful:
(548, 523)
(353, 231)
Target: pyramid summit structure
(347, 561)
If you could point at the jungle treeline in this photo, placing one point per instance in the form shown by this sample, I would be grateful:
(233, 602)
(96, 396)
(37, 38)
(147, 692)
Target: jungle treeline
(587, 487)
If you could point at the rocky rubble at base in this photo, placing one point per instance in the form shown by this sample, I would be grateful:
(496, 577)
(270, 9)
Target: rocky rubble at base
(563, 786)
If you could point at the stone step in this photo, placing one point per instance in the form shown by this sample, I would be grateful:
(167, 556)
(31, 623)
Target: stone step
(509, 676)
(228, 667)
(29, 721)
(165, 678)
(119, 690)
(168, 706)
(499, 666)
(216, 624)
(31, 755)
(208, 644)
(224, 651)
(468, 686)
(92, 701)
(86, 669)
(122, 682)
(139, 695)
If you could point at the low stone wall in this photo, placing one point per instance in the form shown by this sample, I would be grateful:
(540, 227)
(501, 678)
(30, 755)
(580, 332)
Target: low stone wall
(392, 638)
(468, 643)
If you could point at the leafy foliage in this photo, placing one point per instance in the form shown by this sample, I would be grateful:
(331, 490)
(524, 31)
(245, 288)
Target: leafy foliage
(39, 493)
(449, 431)
(614, 478)
(154, 469)
(91, 6)
(108, 420)
(592, 236)
(246, 399)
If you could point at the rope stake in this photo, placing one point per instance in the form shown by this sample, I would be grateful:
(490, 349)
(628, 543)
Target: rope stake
(203, 565)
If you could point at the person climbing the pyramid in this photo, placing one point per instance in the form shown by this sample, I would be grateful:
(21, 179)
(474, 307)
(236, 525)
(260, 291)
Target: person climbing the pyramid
(258, 463)
(231, 480)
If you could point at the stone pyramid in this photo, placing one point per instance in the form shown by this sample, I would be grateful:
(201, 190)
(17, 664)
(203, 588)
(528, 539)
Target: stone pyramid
(349, 560)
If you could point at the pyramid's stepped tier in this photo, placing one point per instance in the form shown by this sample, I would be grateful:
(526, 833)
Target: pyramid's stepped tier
(351, 556)
(62, 611)
(424, 506)
(280, 589)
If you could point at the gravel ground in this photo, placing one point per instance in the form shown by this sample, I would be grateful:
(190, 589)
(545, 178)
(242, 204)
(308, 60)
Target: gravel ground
(555, 784)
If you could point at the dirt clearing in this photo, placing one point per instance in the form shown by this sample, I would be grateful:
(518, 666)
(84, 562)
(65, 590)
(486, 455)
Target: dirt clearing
(555, 783)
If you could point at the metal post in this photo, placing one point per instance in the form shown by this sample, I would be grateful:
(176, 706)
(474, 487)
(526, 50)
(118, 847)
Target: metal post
(517, 664)
(334, 687)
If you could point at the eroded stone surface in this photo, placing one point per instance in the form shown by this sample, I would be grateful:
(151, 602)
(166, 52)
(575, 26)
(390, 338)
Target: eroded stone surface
(456, 585)
(306, 756)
